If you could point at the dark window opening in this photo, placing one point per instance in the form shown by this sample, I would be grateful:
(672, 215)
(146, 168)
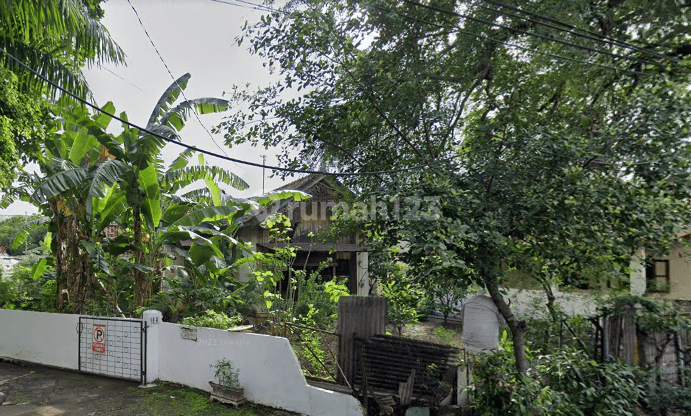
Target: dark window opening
(657, 276)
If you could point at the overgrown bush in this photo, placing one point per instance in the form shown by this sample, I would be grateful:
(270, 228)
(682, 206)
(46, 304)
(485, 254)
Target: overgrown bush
(317, 303)
(9, 228)
(446, 336)
(664, 399)
(211, 319)
(20, 289)
(566, 382)
(546, 334)
(402, 303)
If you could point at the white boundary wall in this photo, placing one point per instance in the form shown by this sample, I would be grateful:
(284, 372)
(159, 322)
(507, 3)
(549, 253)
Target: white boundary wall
(523, 302)
(39, 337)
(269, 369)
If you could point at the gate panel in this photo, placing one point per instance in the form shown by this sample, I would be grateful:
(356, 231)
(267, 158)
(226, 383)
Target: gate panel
(113, 347)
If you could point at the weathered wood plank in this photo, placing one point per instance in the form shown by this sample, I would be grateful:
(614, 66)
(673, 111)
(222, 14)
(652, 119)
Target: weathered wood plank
(362, 317)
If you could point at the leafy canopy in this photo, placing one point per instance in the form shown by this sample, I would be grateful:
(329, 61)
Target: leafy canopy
(556, 133)
(55, 38)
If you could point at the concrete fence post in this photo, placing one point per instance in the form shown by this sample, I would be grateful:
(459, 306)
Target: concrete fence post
(152, 320)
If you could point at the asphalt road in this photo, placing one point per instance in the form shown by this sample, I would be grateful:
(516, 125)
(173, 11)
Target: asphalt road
(36, 390)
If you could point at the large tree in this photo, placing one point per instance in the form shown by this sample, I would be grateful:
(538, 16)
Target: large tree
(555, 134)
(55, 38)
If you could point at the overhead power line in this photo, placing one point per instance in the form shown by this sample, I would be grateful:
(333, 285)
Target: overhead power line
(182, 91)
(453, 28)
(573, 29)
(247, 5)
(538, 18)
(132, 84)
(514, 29)
(511, 45)
(209, 153)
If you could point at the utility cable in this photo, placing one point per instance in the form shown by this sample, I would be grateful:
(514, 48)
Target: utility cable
(209, 153)
(135, 86)
(575, 30)
(458, 30)
(561, 29)
(538, 18)
(182, 91)
(513, 29)
(511, 45)
(247, 5)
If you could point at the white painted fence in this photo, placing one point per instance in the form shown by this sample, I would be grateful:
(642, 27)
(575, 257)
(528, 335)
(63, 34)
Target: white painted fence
(38, 337)
(269, 369)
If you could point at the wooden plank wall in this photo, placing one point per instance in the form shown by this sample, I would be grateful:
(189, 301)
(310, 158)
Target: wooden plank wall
(362, 317)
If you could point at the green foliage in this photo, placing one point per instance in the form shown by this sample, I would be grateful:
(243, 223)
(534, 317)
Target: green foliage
(20, 288)
(546, 334)
(317, 303)
(268, 270)
(309, 347)
(566, 382)
(553, 329)
(211, 319)
(652, 315)
(56, 38)
(21, 118)
(537, 154)
(10, 227)
(6, 288)
(402, 303)
(664, 398)
(92, 178)
(49, 295)
(316, 307)
(446, 336)
(445, 295)
(403, 297)
(308, 300)
(225, 375)
(57, 42)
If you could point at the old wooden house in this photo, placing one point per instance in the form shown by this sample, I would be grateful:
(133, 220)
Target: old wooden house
(343, 258)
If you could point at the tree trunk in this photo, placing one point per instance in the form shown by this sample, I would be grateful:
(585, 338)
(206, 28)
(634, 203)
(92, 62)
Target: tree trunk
(59, 258)
(517, 326)
(139, 276)
(551, 300)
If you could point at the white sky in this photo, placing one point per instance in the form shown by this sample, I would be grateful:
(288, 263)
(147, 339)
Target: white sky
(195, 36)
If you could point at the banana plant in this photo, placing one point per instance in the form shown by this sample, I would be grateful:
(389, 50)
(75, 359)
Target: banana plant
(91, 178)
(150, 190)
(75, 189)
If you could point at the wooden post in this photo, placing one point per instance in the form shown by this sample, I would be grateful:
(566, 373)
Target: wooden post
(628, 352)
(361, 315)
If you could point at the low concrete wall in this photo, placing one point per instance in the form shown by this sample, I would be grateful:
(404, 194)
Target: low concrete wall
(269, 369)
(38, 337)
(523, 302)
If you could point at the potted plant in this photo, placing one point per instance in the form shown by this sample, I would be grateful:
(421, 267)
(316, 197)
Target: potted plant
(228, 389)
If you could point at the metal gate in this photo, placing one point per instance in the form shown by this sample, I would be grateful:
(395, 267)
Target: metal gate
(113, 347)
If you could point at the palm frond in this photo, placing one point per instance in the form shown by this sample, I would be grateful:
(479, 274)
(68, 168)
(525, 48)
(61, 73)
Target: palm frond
(48, 66)
(182, 160)
(177, 117)
(169, 96)
(179, 178)
(104, 175)
(55, 38)
(24, 231)
(68, 179)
